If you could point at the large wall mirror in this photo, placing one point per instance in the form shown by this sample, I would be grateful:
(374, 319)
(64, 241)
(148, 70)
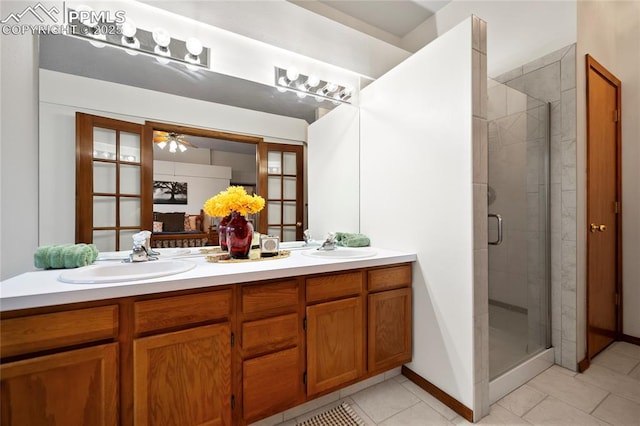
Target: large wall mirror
(75, 76)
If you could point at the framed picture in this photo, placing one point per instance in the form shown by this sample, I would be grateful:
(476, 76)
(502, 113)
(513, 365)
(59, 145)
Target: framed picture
(169, 192)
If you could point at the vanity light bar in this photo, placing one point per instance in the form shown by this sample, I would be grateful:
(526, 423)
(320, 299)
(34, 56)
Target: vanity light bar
(157, 43)
(303, 85)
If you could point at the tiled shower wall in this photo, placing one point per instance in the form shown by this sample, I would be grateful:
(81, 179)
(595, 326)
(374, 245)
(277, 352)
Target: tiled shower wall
(552, 79)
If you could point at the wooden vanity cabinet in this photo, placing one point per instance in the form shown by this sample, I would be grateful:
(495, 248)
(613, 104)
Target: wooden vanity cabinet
(271, 348)
(389, 317)
(335, 331)
(228, 355)
(57, 368)
(182, 360)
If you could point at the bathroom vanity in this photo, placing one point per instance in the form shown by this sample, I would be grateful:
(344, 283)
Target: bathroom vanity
(221, 344)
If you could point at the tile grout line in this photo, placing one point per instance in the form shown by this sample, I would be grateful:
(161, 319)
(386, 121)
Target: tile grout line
(395, 414)
(527, 412)
(599, 403)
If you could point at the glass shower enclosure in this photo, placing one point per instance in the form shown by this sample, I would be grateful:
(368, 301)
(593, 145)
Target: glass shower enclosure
(518, 206)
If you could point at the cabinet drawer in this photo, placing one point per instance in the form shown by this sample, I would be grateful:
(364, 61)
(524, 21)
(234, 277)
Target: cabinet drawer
(56, 330)
(176, 311)
(270, 333)
(387, 278)
(334, 286)
(265, 297)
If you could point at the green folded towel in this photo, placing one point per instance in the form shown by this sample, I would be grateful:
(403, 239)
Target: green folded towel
(345, 239)
(65, 256)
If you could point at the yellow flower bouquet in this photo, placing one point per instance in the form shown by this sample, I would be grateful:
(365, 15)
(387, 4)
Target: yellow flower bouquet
(233, 199)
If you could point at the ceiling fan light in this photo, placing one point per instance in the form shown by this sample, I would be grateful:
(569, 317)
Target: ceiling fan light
(162, 144)
(182, 147)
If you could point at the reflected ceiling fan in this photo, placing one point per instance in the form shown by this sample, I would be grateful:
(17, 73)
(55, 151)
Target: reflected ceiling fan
(174, 140)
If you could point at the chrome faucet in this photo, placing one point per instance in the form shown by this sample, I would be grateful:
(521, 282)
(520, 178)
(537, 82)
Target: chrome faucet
(329, 243)
(139, 252)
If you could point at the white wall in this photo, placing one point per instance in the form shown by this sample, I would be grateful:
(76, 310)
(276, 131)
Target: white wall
(610, 32)
(518, 31)
(203, 182)
(416, 194)
(61, 95)
(243, 166)
(333, 173)
(18, 149)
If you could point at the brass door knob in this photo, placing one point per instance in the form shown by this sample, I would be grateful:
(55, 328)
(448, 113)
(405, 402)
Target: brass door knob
(602, 228)
(594, 227)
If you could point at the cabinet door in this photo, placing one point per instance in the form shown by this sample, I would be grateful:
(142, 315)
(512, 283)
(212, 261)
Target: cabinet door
(271, 383)
(78, 387)
(184, 377)
(389, 329)
(335, 337)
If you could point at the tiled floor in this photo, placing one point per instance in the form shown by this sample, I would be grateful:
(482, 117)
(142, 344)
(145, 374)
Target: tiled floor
(608, 393)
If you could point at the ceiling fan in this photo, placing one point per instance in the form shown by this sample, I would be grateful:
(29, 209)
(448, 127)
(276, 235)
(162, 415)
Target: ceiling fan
(174, 140)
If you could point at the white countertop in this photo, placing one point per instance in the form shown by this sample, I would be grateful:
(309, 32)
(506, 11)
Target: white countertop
(42, 288)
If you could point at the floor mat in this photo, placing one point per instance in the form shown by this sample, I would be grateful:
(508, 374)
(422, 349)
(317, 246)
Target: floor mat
(342, 415)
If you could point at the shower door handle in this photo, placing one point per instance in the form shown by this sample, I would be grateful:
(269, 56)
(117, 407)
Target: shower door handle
(499, 240)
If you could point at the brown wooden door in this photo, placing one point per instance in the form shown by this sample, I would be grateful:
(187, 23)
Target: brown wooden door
(184, 377)
(281, 185)
(335, 337)
(603, 207)
(78, 387)
(114, 173)
(389, 329)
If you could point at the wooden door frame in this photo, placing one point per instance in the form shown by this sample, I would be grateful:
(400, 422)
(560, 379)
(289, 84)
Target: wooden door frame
(150, 126)
(263, 148)
(593, 65)
(85, 123)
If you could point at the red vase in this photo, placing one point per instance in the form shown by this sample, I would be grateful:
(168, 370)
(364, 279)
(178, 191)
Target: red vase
(222, 232)
(239, 236)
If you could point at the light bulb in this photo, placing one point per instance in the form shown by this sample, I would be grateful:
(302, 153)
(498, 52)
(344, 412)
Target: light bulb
(162, 144)
(282, 81)
(293, 74)
(161, 37)
(330, 87)
(194, 46)
(96, 40)
(301, 95)
(302, 87)
(173, 145)
(129, 28)
(182, 148)
(86, 16)
(312, 81)
(129, 39)
(281, 89)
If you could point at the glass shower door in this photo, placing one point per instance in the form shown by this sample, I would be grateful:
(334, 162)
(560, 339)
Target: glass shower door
(518, 204)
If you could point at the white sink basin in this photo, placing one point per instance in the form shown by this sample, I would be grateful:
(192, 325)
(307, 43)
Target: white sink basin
(342, 253)
(298, 245)
(118, 272)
